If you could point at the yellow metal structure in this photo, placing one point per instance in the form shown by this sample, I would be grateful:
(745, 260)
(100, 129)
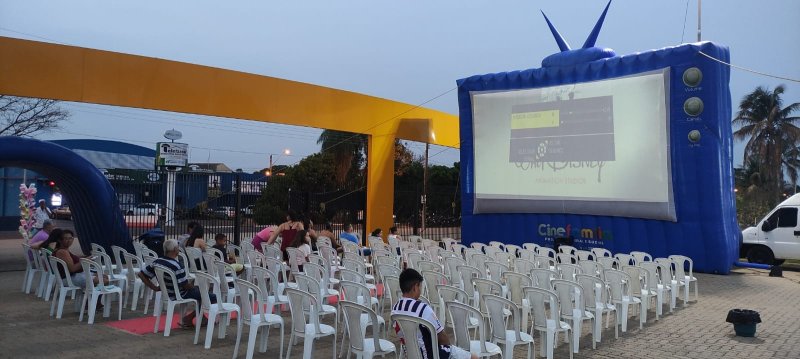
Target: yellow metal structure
(69, 73)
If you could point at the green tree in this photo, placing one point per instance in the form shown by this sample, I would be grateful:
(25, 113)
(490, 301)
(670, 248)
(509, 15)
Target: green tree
(348, 152)
(771, 130)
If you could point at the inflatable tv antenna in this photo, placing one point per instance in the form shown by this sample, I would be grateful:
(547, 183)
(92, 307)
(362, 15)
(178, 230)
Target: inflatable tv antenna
(628, 153)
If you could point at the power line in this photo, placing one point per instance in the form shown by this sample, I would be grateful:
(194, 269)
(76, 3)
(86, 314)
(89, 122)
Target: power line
(685, 15)
(746, 69)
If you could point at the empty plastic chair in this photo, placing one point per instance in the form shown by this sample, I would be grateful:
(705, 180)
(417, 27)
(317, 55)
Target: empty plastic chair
(684, 278)
(256, 317)
(461, 315)
(363, 346)
(497, 306)
(308, 326)
(547, 322)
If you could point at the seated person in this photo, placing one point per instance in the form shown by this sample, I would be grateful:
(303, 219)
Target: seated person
(184, 237)
(221, 244)
(41, 237)
(409, 304)
(63, 239)
(187, 289)
(327, 232)
(301, 241)
(350, 235)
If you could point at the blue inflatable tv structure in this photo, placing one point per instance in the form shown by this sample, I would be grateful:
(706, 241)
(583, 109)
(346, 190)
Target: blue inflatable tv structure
(92, 199)
(629, 153)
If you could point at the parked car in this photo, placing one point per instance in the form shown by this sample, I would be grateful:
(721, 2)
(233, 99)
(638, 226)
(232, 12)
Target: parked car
(775, 238)
(144, 209)
(62, 212)
(225, 212)
(248, 211)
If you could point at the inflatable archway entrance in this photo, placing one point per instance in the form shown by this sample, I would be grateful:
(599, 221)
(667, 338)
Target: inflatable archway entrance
(94, 203)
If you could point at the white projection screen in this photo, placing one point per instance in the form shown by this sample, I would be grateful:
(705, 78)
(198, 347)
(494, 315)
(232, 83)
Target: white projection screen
(598, 148)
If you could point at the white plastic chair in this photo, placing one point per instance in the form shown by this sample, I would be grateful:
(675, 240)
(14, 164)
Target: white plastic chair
(312, 286)
(497, 306)
(666, 283)
(682, 277)
(64, 287)
(164, 274)
(92, 292)
(48, 282)
(544, 262)
(451, 269)
(640, 257)
(621, 294)
(601, 252)
(448, 293)
(355, 277)
(255, 318)
(547, 322)
(526, 254)
(461, 316)
(530, 246)
(363, 346)
(132, 264)
(545, 251)
(591, 268)
(524, 266)
(570, 296)
(640, 288)
(32, 268)
(625, 259)
(597, 301)
(411, 327)
(207, 282)
(567, 249)
(583, 255)
(431, 280)
(568, 271)
(467, 273)
(307, 326)
(543, 278)
(272, 293)
(608, 263)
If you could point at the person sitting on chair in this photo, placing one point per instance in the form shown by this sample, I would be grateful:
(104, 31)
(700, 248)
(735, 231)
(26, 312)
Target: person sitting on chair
(187, 289)
(350, 235)
(409, 304)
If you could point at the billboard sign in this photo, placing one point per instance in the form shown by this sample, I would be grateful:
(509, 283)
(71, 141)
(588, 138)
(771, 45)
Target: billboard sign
(172, 154)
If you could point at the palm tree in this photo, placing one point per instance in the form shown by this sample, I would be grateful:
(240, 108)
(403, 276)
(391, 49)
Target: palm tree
(347, 150)
(771, 130)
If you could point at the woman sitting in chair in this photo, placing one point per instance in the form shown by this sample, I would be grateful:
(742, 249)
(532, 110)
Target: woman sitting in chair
(63, 239)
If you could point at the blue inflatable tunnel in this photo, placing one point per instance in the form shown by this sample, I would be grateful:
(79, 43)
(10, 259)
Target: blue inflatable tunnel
(92, 200)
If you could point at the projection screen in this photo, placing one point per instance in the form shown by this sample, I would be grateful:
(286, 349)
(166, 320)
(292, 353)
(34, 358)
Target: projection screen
(599, 148)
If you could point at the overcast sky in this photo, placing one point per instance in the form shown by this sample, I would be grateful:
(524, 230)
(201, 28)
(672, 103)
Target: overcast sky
(409, 51)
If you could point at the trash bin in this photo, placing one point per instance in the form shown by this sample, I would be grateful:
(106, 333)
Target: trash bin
(744, 321)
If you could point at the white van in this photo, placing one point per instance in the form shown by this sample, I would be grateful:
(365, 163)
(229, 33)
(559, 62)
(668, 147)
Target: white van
(776, 237)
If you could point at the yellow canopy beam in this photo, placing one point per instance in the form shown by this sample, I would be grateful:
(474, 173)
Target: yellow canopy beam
(69, 73)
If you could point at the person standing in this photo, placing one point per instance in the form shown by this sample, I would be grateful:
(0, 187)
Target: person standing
(287, 230)
(40, 214)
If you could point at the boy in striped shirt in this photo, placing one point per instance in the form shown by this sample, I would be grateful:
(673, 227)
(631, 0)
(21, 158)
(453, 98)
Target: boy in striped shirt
(409, 304)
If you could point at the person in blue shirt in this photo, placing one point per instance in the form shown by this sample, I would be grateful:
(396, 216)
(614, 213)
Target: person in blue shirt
(350, 235)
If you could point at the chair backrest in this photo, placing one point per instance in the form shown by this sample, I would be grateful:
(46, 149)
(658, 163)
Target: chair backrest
(526, 254)
(523, 265)
(608, 262)
(353, 276)
(392, 287)
(566, 258)
(543, 278)
(617, 284)
(584, 255)
(460, 314)
(97, 248)
(390, 269)
(237, 252)
(467, 273)
(413, 258)
(271, 250)
(209, 259)
(640, 257)
(433, 279)
(495, 305)
(545, 251)
(248, 306)
(207, 284)
(319, 273)
(638, 279)
(681, 263)
(491, 251)
(451, 268)
(624, 259)
(652, 269)
(118, 251)
(594, 290)
(247, 246)
(539, 299)
(459, 249)
(55, 264)
(530, 246)
(568, 271)
(601, 252)
(515, 281)
(105, 260)
(348, 247)
(296, 258)
(195, 257)
(254, 258)
(30, 257)
(310, 285)
(505, 258)
(216, 252)
(324, 241)
(448, 293)
(424, 265)
(485, 287)
(567, 249)
(352, 313)
(276, 266)
(513, 249)
(131, 262)
(496, 270)
(268, 285)
(411, 327)
(665, 273)
(300, 304)
(570, 296)
(355, 292)
(544, 262)
(592, 268)
(478, 260)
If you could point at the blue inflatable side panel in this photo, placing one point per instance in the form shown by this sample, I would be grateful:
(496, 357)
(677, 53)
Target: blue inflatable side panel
(702, 174)
(94, 203)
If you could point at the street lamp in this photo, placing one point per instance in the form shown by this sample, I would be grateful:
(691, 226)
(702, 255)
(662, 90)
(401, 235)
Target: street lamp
(286, 152)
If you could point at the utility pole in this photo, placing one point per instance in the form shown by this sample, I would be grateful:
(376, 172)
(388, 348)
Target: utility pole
(699, 6)
(425, 187)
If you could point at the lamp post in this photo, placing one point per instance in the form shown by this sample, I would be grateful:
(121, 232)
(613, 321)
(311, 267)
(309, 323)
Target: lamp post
(286, 152)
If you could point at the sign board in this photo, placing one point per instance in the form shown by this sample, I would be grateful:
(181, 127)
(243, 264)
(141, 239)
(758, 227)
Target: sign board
(172, 154)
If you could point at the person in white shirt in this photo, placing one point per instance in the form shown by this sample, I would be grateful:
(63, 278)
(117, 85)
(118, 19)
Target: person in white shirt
(302, 242)
(39, 215)
(409, 304)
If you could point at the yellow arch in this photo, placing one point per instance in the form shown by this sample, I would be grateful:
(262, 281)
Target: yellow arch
(69, 73)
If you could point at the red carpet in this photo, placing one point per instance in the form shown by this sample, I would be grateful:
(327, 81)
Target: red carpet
(143, 325)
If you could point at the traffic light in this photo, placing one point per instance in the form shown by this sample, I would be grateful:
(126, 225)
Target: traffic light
(51, 183)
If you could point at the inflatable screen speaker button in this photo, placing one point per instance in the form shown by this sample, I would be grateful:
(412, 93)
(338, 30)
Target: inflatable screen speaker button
(693, 106)
(694, 136)
(692, 77)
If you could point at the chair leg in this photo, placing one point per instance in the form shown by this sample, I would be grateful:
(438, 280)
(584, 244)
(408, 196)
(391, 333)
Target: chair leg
(198, 321)
(239, 336)
(289, 349)
(93, 307)
(157, 314)
(212, 318)
(168, 321)
(308, 346)
(53, 304)
(281, 352)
